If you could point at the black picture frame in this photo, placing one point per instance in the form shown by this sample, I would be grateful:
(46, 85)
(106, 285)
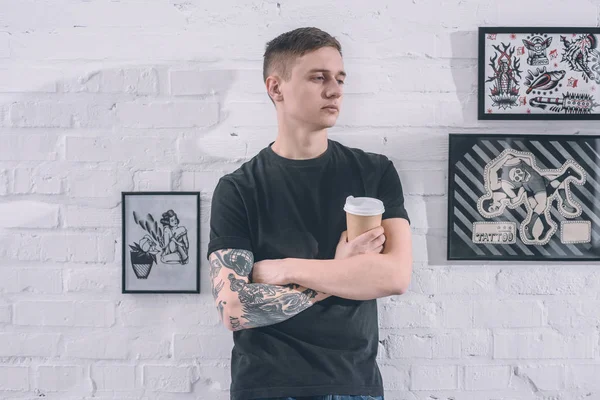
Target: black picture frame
(147, 220)
(481, 217)
(576, 100)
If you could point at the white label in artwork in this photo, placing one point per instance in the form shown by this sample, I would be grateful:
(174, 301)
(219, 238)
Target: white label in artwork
(575, 232)
(494, 232)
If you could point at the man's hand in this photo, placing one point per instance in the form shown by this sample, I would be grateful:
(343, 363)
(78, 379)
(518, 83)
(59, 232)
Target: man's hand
(369, 242)
(269, 271)
(273, 272)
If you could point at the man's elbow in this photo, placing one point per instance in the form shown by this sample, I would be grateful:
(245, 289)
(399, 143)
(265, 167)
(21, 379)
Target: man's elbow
(227, 310)
(231, 327)
(226, 321)
(402, 281)
(401, 287)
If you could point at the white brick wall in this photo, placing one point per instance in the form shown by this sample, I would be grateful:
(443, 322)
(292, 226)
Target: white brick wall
(97, 98)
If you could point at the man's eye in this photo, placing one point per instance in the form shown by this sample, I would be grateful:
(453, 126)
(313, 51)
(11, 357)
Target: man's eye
(322, 77)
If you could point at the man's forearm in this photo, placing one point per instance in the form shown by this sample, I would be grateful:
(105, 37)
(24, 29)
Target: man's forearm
(361, 277)
(259, 304)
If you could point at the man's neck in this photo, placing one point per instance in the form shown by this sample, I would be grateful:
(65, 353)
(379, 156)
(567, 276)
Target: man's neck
(301, 146)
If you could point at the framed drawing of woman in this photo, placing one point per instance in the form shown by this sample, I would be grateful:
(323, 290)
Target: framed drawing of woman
(161, 242)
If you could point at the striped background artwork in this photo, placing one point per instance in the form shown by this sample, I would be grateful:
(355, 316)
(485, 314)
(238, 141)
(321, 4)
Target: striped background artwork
(469, 154)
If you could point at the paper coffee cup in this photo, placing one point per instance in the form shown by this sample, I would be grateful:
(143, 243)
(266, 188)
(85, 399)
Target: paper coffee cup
(362, 215)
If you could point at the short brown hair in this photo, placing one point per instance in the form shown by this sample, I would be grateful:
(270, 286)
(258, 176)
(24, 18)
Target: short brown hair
(282, 51)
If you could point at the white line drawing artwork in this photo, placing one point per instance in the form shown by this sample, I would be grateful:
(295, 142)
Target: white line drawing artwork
(513, 179)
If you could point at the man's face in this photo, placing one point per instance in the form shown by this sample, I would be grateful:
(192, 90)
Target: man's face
(315, 82)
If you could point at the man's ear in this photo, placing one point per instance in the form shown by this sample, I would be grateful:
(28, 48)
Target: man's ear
(274, 89)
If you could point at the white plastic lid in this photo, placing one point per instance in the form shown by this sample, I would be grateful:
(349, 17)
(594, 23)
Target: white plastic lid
(364, 206)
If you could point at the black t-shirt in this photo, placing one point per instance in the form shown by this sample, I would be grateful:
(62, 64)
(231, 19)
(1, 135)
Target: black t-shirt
(283, 208)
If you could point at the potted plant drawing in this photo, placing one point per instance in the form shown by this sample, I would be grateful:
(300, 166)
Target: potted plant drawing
(143, 254)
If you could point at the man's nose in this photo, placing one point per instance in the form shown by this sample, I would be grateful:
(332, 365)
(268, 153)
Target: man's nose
(334, 89)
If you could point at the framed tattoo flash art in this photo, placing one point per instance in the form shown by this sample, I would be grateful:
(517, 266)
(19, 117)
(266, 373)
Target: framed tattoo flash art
(524, 197)
(539, 73)
(161, 242)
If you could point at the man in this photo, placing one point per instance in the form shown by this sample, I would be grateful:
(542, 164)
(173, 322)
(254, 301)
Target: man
(512, 179)
(299, 298)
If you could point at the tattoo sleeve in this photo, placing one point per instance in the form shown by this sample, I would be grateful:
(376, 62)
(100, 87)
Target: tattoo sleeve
(255, 304)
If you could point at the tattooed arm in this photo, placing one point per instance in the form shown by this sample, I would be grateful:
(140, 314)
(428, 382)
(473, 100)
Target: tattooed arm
(245, 305)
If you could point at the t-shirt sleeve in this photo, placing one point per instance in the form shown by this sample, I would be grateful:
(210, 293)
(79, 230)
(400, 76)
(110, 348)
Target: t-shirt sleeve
(228, 219)
(390, 192)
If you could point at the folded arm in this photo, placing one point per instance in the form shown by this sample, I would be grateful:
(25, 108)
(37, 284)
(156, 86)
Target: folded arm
(364, 276)
(244, 305)
(361, 277)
